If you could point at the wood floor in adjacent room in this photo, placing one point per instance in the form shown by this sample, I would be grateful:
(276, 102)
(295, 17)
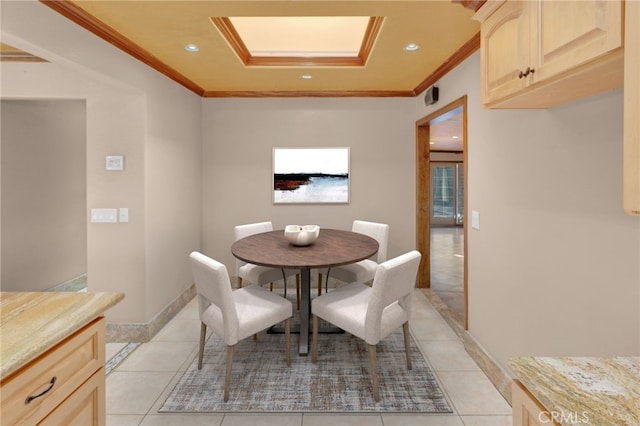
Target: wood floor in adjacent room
(447, 267)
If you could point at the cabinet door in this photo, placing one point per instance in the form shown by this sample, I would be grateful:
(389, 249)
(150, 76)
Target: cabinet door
(505, 48)
(527, 411)
(568, 34)
(632, 109)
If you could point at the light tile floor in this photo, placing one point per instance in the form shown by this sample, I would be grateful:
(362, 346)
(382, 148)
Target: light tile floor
(138, 386)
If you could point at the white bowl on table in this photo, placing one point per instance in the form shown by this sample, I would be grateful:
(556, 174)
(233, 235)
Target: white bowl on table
(301, 235)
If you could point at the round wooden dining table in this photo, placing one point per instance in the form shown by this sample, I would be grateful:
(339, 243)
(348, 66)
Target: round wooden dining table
(332, 248)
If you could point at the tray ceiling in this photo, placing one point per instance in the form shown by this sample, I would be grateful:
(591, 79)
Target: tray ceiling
(157, 32)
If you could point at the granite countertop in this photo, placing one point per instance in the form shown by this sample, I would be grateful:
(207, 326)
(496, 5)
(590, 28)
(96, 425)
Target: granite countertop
(582, 390)
(33, 322)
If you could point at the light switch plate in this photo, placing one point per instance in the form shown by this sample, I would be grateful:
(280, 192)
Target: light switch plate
(123, 214)
(475, 219)
(104, 215)
(115, 162)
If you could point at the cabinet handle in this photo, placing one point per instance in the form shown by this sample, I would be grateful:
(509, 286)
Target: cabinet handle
(32, 397)
(526, 72)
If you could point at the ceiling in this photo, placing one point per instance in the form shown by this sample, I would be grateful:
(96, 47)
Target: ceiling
(156, 32)
(446, 132)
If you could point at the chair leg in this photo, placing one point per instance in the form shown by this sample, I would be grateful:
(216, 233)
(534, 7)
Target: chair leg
(284, 280)
(374, 371)
(298, 290)
(287, 340)
(407, 343)
(314, 341)
(319, 283)
(326, 284)
(239, 282)
(203, 333)
(227, 379)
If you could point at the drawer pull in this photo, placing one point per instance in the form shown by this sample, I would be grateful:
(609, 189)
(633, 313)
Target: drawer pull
(32, 397)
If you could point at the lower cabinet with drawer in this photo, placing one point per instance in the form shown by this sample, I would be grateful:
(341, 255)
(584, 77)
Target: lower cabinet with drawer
(527, 411)
(64, 386)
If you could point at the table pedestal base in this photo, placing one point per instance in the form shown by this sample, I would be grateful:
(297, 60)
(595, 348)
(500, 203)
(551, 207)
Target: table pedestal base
(305, 310)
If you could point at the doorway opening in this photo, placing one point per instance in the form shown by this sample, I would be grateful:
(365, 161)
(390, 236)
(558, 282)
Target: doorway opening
(44, 195)
(442, 169)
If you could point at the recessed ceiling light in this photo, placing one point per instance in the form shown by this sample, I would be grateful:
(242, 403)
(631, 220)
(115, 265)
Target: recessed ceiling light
(432, 143)
(455, 137)
(306, 77)
(191, 48)
(412, 47)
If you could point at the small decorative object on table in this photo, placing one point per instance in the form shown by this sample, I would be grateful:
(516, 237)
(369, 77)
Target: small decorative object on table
(301, 235)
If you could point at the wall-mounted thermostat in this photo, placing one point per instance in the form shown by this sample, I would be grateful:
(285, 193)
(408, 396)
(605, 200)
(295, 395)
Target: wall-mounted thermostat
(115, 162)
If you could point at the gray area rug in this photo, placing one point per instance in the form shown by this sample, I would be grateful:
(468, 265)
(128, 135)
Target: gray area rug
(339, 382)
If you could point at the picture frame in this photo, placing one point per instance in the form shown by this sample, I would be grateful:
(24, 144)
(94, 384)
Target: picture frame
(311, 175)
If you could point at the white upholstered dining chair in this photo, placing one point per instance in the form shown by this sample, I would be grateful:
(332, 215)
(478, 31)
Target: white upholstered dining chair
(371, 313)
(261, 275)
(234, 314)
(364, 270)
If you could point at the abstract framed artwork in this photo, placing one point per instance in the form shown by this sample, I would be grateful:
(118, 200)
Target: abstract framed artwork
(310, 175)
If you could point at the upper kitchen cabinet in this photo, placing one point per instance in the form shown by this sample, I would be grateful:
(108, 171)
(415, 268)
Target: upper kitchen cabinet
(504, 49)
(538, 54)
(632, 109)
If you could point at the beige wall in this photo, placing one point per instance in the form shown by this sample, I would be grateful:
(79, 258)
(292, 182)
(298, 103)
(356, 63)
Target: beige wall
(446, 156)
(135, 112)
(555, 266)
(44, 233)
(239, 135)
